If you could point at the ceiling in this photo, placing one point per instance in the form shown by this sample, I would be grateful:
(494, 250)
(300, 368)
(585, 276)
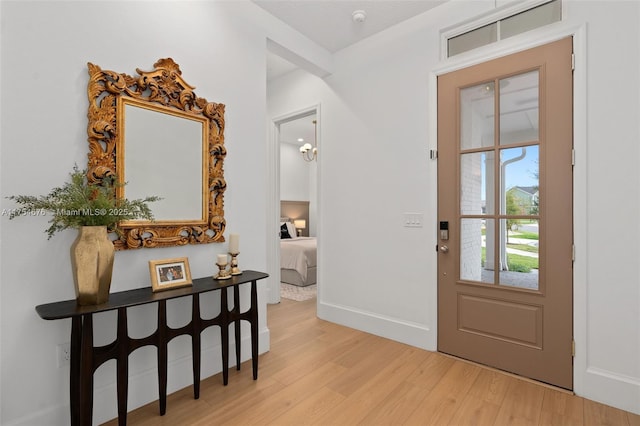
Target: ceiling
(329, 23)
(300, 128)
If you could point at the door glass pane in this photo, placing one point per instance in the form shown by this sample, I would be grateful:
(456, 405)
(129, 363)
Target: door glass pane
(475, 247)
(519, 108)
(473, 39)
(519, 253)
(477, 116)
(477, 183)
(519, 186)
(530, 19)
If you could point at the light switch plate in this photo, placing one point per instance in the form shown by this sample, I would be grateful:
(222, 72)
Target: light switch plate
(413, 220)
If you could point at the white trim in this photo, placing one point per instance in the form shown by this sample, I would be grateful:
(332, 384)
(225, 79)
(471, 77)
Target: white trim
(273, 212)
(580, 234)
(407, 332)
(273, 203)
(507, 47)
(612, 389)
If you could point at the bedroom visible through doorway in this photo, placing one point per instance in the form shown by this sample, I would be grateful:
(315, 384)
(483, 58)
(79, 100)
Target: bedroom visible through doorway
(298, 207)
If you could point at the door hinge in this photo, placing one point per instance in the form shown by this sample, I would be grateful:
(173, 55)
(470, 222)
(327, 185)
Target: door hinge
(573, 252)
(433, 154)
(573, 157)
(573, 61)
(573, 348)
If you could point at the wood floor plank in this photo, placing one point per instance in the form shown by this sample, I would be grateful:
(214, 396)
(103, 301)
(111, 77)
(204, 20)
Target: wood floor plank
(440, 406)
(431, 371)
(373, 389)
(562, 409)
(312, 356)
(310, 410)
(603, 415)
(320, 373)
(475, 411)
(491, 386)
(369, 366)
(522, 404)
(482, 403)
(634, 419)
(397, 406)
(364, 344)
(267, 410)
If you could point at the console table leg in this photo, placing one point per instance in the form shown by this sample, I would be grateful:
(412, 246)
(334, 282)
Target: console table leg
(236, 309)
(195, 344)
(254, 328)
(86, 371)
(224, 334)
(74, 373)
(122, 366)
(162, 356)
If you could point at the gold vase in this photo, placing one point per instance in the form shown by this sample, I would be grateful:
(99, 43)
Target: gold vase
(92, 255)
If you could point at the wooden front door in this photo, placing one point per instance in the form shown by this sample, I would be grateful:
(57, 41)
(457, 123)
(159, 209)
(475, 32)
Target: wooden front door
(505, 267)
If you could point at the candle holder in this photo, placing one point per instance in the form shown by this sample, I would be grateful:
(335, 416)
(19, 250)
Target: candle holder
(234, 264)
(223, 274)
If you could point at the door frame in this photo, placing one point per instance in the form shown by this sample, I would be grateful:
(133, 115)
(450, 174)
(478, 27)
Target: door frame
(273, 202)
(504, 48)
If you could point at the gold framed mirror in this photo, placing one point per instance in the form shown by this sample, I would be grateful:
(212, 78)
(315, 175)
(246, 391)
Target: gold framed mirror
(153, 133)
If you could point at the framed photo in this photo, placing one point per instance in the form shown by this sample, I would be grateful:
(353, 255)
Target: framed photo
(169, 273)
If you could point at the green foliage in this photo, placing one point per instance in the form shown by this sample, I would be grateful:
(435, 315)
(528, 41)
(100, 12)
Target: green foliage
(526, 235)
(519, 263)
(512, 209)
(519, 267)
(79, 203)
(516, 262)
(523, 247)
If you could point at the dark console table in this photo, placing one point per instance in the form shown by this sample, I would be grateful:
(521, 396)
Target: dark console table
(85, 358)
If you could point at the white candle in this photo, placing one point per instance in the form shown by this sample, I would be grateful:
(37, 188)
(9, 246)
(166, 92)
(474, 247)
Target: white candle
(222, 259)
(234, 243)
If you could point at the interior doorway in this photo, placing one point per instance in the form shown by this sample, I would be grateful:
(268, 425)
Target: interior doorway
(505, 268)
(296, 205)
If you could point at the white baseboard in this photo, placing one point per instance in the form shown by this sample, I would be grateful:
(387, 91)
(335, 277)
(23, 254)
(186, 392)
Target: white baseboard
(610, 388)
(143, 387)
(413, 334)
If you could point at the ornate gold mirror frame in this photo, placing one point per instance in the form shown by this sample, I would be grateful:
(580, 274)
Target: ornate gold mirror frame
(163, 91)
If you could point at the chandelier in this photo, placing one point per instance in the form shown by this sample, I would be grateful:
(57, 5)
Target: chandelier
(309, 152)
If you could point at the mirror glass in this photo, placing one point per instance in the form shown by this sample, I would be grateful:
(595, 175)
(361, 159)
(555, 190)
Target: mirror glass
(170, 166)
(154, 134)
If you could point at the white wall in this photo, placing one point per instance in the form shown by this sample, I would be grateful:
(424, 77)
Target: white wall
(294, 174)
(374, 166)
(45, 47)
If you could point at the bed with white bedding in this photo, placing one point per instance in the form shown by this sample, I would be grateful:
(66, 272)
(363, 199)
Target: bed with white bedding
(298, 251)
(298, 257)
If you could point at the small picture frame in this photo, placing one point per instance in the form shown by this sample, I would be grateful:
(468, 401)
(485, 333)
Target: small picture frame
(169, 273)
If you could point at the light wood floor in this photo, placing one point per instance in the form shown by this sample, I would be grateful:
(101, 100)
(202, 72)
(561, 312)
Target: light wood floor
(319, 373)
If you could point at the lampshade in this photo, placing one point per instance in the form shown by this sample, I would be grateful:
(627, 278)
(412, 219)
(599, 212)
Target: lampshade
(300, 223)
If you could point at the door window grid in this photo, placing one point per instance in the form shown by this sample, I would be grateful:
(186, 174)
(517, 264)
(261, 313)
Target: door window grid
(500, 248)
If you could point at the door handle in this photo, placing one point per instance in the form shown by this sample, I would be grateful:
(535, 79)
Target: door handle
(444, 249)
